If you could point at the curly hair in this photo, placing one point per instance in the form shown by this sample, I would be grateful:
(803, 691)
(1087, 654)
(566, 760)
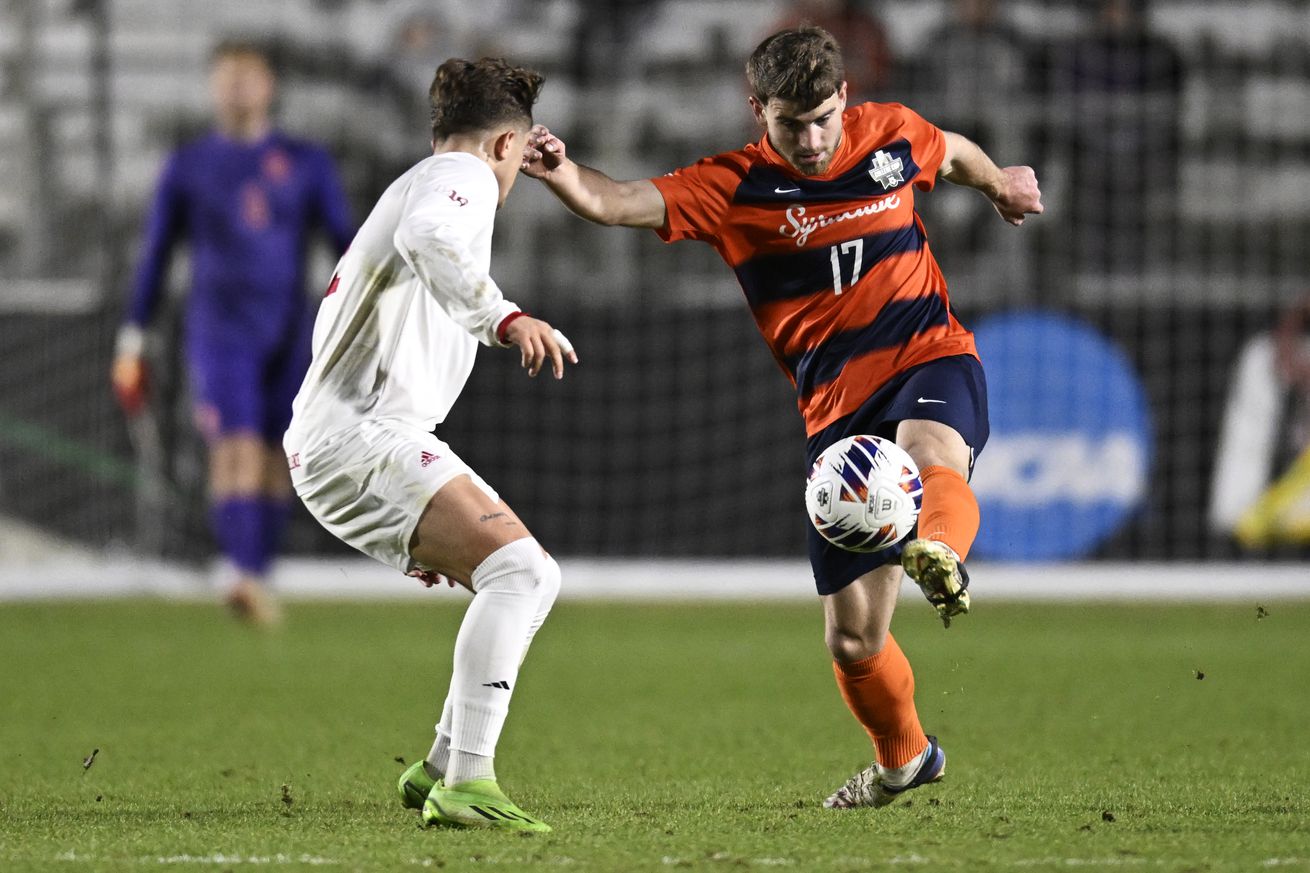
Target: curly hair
(802, 65)
(469, 96)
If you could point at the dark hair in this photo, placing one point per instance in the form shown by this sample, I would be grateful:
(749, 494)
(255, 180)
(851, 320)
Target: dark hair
(234, 47)
(802, 65)
(468, 96)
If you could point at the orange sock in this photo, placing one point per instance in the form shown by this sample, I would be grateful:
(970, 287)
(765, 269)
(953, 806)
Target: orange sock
(950, 511)
(879, 691)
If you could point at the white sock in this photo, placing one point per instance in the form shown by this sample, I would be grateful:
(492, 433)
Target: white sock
(899, 776)
(509, 587)
(439, 756)
(549, 591)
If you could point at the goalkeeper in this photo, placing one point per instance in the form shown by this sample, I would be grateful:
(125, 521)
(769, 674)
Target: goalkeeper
(246, 197)
(817, 220)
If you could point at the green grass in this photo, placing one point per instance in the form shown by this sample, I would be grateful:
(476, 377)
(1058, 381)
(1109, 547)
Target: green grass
(655, 738)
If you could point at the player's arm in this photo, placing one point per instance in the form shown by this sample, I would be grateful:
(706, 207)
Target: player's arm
(333, 207)
(588, 192)
(1012, 190)
(431, 243)
(129, 375)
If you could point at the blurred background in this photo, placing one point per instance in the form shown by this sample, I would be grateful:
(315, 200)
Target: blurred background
(1145, 339)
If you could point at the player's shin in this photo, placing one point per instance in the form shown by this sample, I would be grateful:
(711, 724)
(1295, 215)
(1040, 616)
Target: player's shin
(879, 691)
(508, 591)
(949, 513)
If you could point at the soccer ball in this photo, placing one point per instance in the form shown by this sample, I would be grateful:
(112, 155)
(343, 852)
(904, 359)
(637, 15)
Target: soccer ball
(863, 494)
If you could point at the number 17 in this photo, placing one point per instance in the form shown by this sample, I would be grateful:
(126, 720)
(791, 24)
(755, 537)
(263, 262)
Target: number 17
(855, 245)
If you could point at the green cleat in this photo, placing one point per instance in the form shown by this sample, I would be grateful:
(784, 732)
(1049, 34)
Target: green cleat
(478, 803)
(414, 786)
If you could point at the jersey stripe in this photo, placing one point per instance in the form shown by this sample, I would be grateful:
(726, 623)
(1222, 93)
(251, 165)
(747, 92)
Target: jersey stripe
(863, 373)
(895, 325)
(763, 181)
(770, 278)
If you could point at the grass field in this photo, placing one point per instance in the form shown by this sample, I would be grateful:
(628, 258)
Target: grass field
(655, 738)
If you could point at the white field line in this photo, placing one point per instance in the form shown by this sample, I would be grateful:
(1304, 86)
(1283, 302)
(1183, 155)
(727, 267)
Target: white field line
(121, 575)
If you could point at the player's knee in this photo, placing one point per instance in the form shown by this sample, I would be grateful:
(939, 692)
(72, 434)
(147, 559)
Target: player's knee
(521, 567)
(548, 584)
(848, 645)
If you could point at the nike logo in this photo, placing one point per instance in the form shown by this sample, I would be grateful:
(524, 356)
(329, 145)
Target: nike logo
(785, 190)
(926, 400)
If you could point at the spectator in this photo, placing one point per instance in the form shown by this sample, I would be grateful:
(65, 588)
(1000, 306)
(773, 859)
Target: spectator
(246, 197)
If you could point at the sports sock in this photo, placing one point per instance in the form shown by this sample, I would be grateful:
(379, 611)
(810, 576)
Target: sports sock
(508, 588)
(549, 588)
(465, 766)
(237, 523)
(898, 777)
(276, 512)
(438, 760)
(879, 691)
(949, 512)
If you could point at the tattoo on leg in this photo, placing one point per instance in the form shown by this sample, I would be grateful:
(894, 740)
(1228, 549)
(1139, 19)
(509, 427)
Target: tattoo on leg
(492, 515)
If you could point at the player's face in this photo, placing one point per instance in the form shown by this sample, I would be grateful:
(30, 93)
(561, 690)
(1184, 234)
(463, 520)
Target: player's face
(807, 138)
(242, 86)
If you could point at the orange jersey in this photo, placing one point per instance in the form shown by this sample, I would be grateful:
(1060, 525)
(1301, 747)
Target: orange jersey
(836, 268)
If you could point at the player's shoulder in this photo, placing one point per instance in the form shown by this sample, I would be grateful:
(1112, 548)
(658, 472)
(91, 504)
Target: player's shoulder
(299, 147)
(876, 122)
(456, 174)
(725, 168)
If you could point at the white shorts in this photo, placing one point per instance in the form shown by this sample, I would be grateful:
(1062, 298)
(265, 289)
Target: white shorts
(369, 484)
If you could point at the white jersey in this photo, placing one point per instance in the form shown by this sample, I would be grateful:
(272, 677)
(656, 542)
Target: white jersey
(398, 330)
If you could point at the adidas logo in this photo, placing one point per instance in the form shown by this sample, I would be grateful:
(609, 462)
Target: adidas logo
(427, 458)
(502, 684)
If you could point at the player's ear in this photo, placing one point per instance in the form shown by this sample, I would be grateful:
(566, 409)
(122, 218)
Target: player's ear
(758, 108)
(508, 142)
(841, 94)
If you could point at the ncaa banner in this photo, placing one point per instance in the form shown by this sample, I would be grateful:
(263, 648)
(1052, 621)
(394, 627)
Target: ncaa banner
(1069, 456)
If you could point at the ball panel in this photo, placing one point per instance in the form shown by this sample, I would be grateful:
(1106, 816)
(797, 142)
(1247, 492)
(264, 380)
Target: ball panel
(863, 493)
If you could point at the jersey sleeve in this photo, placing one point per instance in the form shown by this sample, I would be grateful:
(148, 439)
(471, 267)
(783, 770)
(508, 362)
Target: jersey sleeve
(927, 145)
(332, 206)
(696, 198)
(164, 226)
(438, 218)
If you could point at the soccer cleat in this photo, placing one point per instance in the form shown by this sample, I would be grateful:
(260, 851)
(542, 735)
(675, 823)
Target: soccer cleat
(867, 788)
(478, 803)
(252, 602)
(414, 786)
(940, 574)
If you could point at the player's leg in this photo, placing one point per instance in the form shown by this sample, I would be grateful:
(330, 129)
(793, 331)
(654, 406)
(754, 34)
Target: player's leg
(236, 475)
(948, 517)
(877, 685)
(229, 414)
(942, 415)
(471, 536)
(283, 372)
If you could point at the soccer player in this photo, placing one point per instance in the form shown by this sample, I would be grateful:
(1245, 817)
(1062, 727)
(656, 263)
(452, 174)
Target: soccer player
(246, 197)
(817, 220)
(393, 346)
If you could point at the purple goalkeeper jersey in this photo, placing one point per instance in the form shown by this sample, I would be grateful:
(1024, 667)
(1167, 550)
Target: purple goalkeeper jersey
(247, 210)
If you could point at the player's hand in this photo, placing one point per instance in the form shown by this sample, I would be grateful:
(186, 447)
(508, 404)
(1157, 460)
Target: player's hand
(538, 341)
(1019, 195)
(130, 378)
(543, 154)
(429, 578)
